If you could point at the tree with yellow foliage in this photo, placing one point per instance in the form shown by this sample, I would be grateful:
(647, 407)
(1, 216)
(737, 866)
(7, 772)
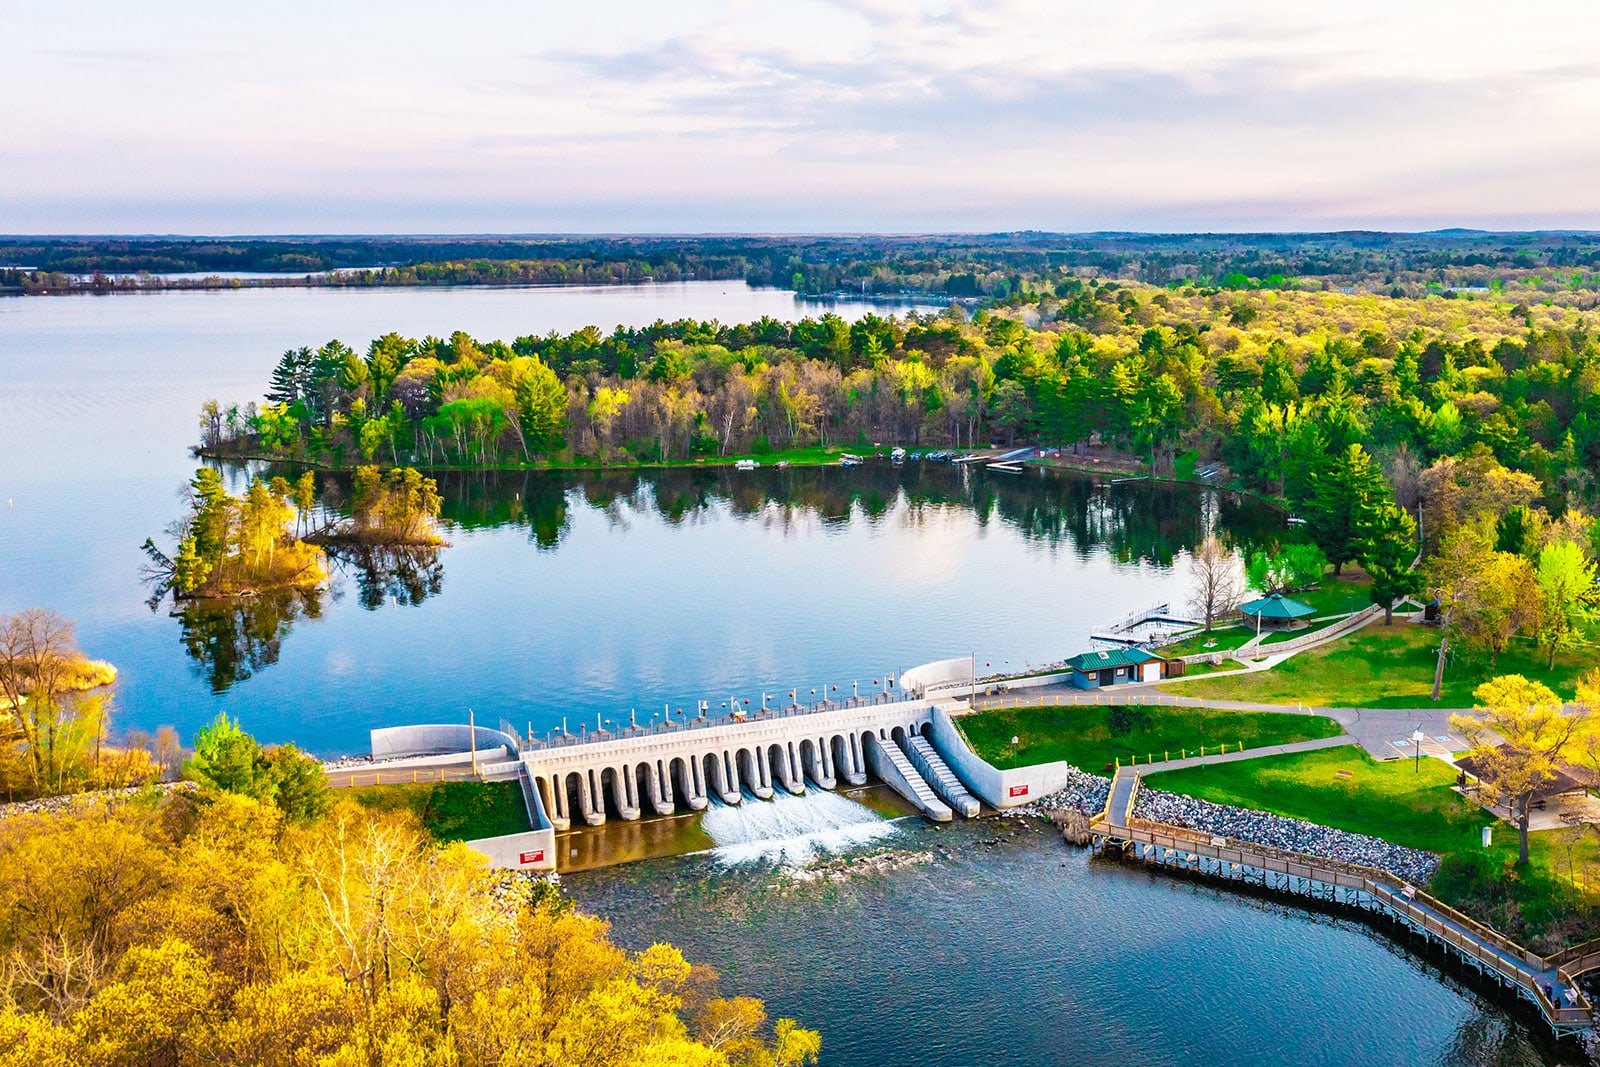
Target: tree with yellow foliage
(184, 933)
(54, 707)
(1537, 736)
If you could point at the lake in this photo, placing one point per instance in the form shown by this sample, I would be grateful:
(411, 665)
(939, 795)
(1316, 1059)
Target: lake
(600, 595)
(562, 597)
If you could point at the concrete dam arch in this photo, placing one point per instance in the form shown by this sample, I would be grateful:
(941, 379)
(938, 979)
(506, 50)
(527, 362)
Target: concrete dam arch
(662, 770)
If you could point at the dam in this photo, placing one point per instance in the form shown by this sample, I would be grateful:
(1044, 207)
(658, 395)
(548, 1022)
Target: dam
(907, 740)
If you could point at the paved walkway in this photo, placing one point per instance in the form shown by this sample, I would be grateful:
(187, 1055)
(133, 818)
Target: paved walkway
(1119, 804)
(1242, 754)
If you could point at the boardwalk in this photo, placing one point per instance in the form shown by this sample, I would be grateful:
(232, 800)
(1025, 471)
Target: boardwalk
(1549, 983)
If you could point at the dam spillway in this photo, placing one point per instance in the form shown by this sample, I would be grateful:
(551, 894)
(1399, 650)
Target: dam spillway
(791, 829)
(664, 769)
(910, 744)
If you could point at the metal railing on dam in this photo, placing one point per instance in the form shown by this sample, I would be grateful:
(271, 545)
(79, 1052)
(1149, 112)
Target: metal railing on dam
(586, 736)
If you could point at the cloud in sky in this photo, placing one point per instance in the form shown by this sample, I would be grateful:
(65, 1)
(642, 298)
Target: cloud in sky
(884, 115)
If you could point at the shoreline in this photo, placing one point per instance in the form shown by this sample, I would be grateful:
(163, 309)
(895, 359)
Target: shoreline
(800, 459)
(119, 284)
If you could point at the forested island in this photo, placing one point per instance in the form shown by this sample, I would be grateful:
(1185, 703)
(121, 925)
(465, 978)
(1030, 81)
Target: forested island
(1260, 387)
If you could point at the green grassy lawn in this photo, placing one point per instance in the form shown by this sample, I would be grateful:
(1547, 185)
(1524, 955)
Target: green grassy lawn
(1082, 735)
(1192, 669)
(1278, 637)
(453, 811)
(1382, 667)
(1338, 596)
(1221, 639)
(1412, 804)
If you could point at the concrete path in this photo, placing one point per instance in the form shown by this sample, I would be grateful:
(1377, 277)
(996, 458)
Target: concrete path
(1249, 753)
(1120, 803)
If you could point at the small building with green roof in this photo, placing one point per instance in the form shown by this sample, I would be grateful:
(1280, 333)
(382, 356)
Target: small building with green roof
(1275, 610)
(1117, 666)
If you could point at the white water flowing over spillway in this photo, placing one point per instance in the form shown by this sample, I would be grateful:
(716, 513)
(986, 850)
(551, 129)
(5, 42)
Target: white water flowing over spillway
(790, 829)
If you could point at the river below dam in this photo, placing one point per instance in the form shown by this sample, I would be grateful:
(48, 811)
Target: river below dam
(992, 942)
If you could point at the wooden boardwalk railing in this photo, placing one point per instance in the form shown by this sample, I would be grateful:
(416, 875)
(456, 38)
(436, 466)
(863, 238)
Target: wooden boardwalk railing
(1486, 947)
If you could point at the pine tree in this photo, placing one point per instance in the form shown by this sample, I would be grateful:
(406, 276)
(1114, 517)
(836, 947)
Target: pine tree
(289, 376)
(1387, 551)
(1345, 497)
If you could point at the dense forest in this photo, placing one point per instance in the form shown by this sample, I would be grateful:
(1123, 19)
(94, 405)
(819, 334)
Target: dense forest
(1255, 387)
(1004, 267)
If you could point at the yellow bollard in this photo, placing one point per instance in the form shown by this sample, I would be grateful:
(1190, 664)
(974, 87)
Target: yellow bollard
(1167, 756)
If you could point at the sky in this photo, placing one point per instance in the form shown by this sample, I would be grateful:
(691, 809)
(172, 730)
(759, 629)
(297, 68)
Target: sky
(696, 116)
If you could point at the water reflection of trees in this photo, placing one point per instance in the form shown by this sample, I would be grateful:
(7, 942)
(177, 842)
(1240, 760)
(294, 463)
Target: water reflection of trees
(1133, 521)
(231, 640)
(1138, 521)
(400, 575)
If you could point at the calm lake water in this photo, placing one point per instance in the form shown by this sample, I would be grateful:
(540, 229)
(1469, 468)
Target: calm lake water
(577, 596)
(561, 597)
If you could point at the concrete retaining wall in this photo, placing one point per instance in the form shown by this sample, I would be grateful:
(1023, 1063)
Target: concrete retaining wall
(940, 676)
(996, 788)
(953, 678)
(393, 742)
(534, 850)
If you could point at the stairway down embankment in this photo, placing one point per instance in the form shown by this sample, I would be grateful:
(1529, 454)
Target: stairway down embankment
(938, 774)
(892, 765)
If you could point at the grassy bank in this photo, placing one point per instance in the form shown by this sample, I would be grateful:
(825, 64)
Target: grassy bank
(1412, 804)
(1350, 592)
(1382, 667)
(1084, 735)
(1219, 641)
(815, 456)
(453, 811)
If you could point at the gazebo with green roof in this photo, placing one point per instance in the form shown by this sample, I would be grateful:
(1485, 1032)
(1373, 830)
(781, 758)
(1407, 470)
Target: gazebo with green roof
(1276, 610)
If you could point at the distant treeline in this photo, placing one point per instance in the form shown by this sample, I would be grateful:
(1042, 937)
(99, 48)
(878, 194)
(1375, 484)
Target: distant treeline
(1007, 267)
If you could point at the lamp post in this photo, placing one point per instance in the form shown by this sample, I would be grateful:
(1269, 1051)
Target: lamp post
(1416, 739)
